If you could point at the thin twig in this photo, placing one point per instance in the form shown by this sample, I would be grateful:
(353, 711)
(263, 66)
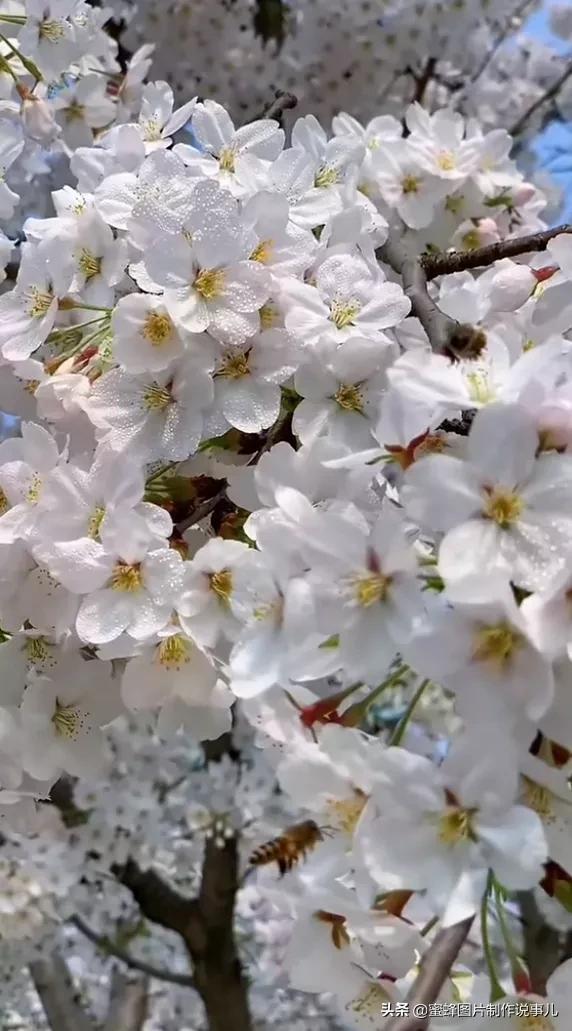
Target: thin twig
(282, 102)
(549, 94)
(435, 968)
(459, 261)
(107, 946)
(202, 510)
(423, 79)
(493, 50)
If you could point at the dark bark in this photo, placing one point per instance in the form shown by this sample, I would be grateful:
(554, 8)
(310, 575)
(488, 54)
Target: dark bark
(459, 261)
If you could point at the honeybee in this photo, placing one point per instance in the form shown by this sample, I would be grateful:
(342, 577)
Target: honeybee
(287, 850)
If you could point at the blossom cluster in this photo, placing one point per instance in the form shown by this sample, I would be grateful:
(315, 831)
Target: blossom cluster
(247, 480)
(363, 56)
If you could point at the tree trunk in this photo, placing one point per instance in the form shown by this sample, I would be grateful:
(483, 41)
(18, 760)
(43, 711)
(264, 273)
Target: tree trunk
(217, 973)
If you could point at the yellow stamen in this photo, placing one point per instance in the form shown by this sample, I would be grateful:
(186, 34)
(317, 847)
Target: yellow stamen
(88, 264)
(503, 507)
(263, 252)
(209, 283)
(126, 578)
(344, 813)
(38, 302)
(234, 366)
(95, 521)
(344, 314)
(455, 825)
(226, 159)
(156, 398)
(370, 590)
(410, 184)
(497, 644)
(158, 328)
(446, 161)
(174, 652)
(51, 30)
(68, 721)
(326, 176)
(221, 584)
(34, 490)
(349, 397)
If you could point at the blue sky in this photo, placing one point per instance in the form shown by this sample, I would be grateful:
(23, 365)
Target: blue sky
(554, 146)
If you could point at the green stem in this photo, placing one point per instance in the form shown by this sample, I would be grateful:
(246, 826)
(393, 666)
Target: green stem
(358, 711)
(13, 19)
(5, 66)
(399, 732)
(497, 991)
(516, 961)
(28, 64)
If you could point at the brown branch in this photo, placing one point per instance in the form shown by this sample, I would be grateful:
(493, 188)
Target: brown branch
(202, 510)
(109, 948)
(549, 94)
(54, 985)
(434, 970)
(460, 261)
(446, 335)
(282, 102)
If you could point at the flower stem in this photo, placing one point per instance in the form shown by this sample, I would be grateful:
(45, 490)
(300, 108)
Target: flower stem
(518, 967)
(28, 64)
(497, 991)
(13, 19)
(355, 713)
(399, 732)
